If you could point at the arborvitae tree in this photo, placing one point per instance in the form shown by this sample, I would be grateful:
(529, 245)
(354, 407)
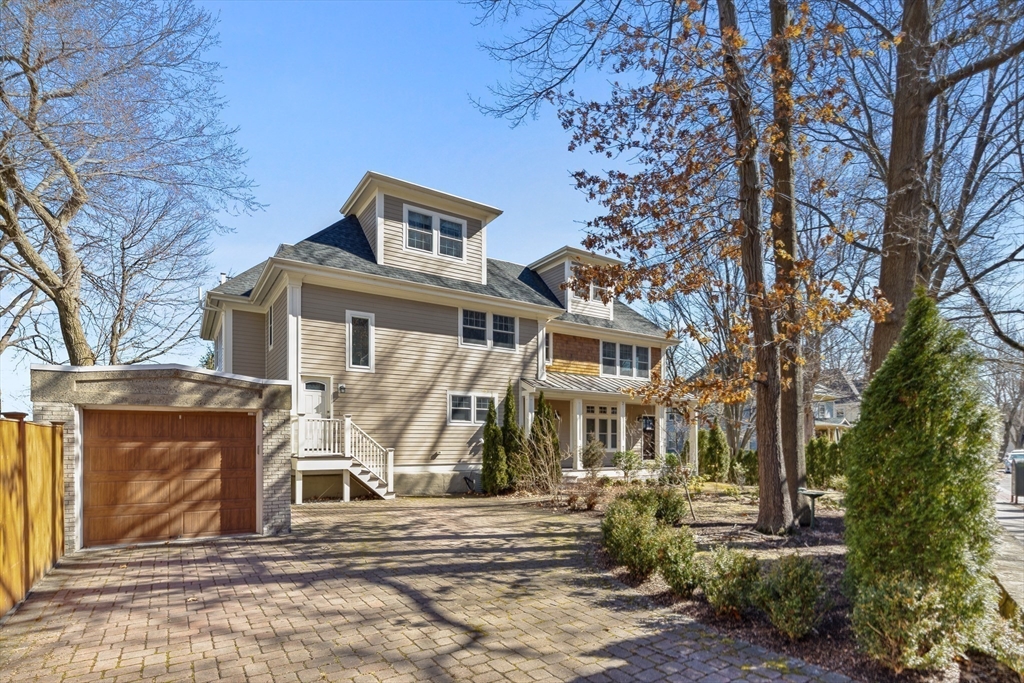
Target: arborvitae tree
(714, 458)
(514, 442)
(919, 517)
(495, 471)
(544, 444)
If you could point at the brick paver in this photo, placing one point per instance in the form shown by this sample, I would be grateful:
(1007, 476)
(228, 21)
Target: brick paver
(407, 590)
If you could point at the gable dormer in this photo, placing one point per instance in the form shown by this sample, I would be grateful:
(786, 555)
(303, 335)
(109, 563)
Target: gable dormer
(418, 228)
(557, 270)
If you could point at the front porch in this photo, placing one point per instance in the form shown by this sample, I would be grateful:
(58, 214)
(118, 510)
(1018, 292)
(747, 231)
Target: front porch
(328, 446)
(597, 408)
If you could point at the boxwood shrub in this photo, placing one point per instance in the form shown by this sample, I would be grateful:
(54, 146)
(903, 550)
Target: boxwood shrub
(792, 593)
(731, 581)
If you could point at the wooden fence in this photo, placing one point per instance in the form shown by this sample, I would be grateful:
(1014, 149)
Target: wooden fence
(31, 505)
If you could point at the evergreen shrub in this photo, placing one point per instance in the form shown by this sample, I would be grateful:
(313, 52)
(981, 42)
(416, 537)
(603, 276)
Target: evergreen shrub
(919, 511)
(792, 593)
(679, 565)
(731, 581)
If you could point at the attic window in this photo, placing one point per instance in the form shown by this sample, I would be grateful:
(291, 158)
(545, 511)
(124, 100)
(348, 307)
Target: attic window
(435, 233)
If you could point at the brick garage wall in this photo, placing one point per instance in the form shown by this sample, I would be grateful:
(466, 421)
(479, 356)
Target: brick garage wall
(575, 355)
(66, 413)
(277, 471)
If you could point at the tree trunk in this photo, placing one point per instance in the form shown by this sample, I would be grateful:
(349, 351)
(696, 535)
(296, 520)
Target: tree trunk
(905, 212)
(775, 514)
(70, 317)
(785, 238)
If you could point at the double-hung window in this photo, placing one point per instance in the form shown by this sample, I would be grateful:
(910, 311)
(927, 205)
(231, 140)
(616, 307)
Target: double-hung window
(504, 333)
(421, 231)
(474, 328)
(468, 409)
(434, 233)
(625, 360)
(451, 238)
(359, 341)
(547, 348)
(488, 330)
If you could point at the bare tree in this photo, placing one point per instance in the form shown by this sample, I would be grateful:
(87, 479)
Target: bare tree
(928, 52)
(102, 105)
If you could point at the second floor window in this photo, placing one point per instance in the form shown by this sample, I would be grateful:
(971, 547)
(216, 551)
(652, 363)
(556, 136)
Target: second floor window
(504, 331)
(547, 348)
(625, 360)
(270, 328)
(451, 238)
(474, 328)
(359, 341)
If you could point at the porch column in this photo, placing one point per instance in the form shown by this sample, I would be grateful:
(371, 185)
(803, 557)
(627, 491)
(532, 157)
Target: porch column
(346, 486)
(527, 413)
(691, 409)
(622, 445)
(576, 434)
(659, 430)
(293, 303)
(298, 487)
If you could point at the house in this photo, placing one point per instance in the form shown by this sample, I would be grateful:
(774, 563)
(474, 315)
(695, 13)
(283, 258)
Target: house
(837, 399)
(396, 332)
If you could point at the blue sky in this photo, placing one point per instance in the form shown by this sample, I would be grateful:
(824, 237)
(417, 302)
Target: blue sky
(324, 91)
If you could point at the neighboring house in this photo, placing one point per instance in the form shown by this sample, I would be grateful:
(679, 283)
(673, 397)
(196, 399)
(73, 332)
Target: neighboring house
(396, 332)
(837, 399)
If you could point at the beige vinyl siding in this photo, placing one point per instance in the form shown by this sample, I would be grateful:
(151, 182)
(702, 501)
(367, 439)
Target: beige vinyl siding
(395, 255)
(404, 404)
(595, 307)
(248, 344)
(554, 277)
(277, 357)
(368, 222)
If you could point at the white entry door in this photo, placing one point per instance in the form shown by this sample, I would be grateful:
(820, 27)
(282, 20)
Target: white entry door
(314, 399)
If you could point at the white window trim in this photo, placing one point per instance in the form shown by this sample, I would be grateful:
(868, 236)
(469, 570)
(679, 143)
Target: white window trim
(549, 348)
(270, 328)
(435, 221)
(348, 341)
(618, 351)
(489, 334)
(472, 407)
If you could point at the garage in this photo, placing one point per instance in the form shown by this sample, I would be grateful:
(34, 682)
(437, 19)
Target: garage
(165, 452)
(155, 476)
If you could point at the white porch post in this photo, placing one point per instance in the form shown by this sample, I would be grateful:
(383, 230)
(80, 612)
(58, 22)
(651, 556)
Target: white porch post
(576, 434)
(298, 487)
(622, 446)
(692, 410)
(391, 470)
(659, 430)
(348, 436)
(527, 413)
(346, 486)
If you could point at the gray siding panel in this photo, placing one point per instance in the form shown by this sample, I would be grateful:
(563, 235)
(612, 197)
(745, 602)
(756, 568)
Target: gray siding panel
(368, 222)
(248, 344)
(404, 404)
(595, 308)
(277, 357)
(553, 278)
(395, 255)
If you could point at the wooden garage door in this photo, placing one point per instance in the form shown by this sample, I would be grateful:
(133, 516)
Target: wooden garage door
(152, 476)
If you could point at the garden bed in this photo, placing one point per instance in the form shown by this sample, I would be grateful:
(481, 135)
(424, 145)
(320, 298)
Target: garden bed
(726, 515)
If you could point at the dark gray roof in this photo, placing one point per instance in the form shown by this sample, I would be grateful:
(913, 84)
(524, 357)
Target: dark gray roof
(626, 320)
(343, 245)
(559, 381)
(242, 284)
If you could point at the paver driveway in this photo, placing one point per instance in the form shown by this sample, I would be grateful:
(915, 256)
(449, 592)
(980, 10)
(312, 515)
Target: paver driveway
(413, 589)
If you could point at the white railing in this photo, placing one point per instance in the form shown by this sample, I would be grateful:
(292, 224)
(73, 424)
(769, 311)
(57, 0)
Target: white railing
(320, 436)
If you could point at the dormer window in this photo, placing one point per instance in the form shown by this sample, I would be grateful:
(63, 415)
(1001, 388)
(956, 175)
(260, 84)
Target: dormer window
(421, 231)
(435, 233)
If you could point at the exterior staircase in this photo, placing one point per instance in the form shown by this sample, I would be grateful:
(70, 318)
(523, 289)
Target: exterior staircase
(327, 445)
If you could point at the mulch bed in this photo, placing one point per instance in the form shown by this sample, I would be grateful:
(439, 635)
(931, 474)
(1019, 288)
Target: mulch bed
(726, 515)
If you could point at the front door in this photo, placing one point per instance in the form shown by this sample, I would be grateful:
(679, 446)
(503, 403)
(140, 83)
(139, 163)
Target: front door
(647, 422)
(314, 399)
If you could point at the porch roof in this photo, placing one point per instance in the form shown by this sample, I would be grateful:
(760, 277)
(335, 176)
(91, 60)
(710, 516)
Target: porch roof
(588, 384)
